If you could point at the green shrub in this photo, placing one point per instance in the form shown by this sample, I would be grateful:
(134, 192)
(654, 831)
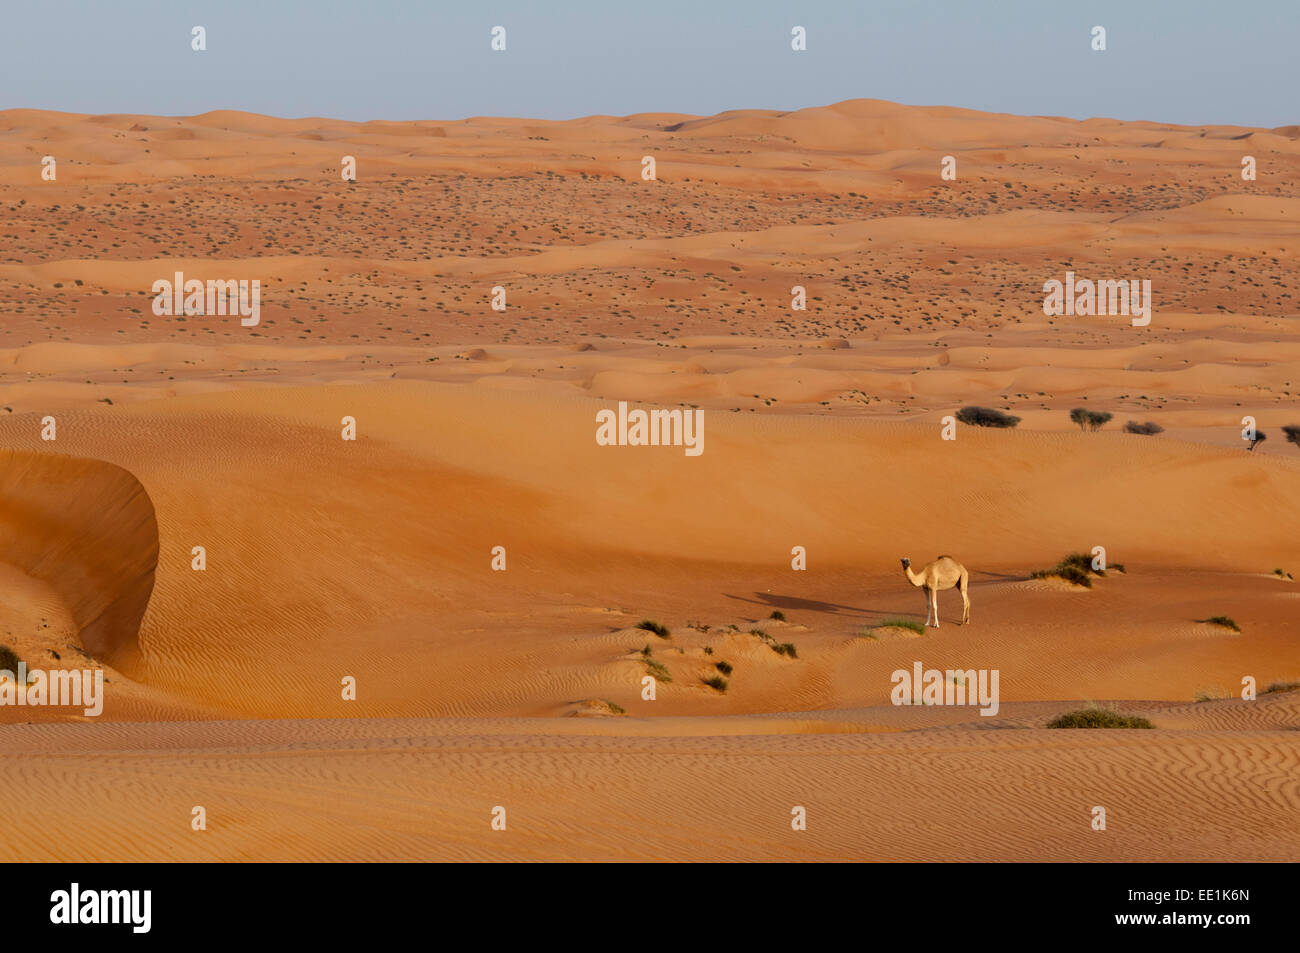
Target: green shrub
(778, 615)
(1281, 687)
(1081, 562)
(723, 667)
(986, 417)
(1090, 419)
(717, 682)
(1075, 568)
(1150, 427)
(9, 660)
(1071, 574)
(786, 648)
(1098, 718)
(658, 670)
(654, 627)
(1078, 577)
(912, 624)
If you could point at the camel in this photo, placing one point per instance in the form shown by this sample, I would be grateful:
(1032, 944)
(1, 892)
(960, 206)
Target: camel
(944, 573)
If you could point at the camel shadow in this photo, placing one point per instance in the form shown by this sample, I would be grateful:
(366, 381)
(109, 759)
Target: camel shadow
(1001, 576)
(770, 600)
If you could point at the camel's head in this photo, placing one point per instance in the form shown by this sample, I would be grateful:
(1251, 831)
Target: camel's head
(906, 562)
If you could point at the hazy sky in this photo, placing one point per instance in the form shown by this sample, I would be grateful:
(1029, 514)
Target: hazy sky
(1187, 61)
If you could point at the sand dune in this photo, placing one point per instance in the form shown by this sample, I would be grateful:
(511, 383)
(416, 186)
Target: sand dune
(393, 534)
(329, 559)
(86, 529)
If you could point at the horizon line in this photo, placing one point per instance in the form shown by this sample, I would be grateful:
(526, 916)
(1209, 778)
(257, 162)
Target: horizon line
(779, 113)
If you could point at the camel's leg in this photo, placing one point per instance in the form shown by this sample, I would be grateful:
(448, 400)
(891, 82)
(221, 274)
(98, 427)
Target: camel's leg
(928, 610)
(965, 600)
(934, 594)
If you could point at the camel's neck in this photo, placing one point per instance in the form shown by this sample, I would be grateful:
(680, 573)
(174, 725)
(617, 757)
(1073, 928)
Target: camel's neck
(913, 578)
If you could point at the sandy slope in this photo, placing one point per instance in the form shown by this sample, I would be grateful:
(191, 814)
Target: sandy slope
(681, 789)
(372, 558)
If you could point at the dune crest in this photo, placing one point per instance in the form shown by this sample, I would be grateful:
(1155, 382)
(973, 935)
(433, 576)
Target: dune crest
(87, 529)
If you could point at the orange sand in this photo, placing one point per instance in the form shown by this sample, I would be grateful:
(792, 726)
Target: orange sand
(371, 559)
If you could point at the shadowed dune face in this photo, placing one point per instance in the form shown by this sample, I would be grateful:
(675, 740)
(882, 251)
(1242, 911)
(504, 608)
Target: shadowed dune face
(87, 529)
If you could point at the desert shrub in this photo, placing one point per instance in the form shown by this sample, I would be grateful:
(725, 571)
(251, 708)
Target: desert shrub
(1075, 568)
(1098, 419)
(760, 633)
(1089, 419)
(1292, 432)
(9, 660)
(1224, 621)
(986, 417)
(614, 707)
(785, 648)
(911, 624)
(1098, 718)
(1281, 687)
(716, 682)
(723, 667)
(778, 615)
(1149, 428)
(1074, 575)
(658, 670)
(1079, 561)
(654, 627)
